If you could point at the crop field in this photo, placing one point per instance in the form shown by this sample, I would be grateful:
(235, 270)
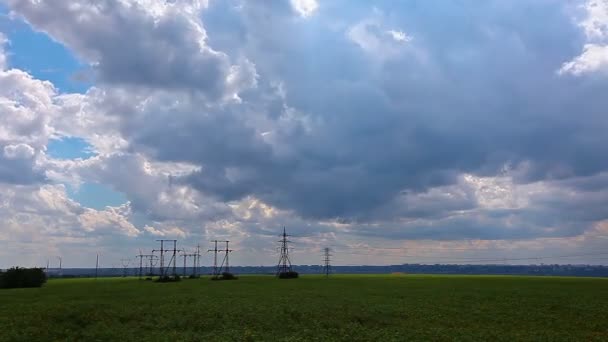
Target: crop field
(312, 308)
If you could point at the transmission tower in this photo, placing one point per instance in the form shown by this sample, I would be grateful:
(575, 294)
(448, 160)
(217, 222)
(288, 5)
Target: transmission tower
(225, 263)
(284, 265)
(125, 264)
(214, 250)
(186, 256)
(197, 261)
(141, 257)
(60, 273)
(172, 261)
(327, 261)
(152, 260)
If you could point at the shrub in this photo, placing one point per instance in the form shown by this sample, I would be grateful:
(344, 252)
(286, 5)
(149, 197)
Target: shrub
(288, 275)
(168, 279)
(17, 277)
(225, 276)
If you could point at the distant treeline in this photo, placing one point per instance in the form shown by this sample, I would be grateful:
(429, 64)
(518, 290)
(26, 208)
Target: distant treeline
(18, 277)
(539, 270)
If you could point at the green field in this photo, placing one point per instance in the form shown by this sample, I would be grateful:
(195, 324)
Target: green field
(312, 308)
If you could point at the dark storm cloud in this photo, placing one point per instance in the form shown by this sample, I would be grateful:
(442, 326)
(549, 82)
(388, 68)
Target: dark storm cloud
(345, 118)
(473, 94)
(476, 89)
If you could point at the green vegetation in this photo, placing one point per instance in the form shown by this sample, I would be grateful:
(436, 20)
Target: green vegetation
(18, 277)
(312, 308)
(288, 275)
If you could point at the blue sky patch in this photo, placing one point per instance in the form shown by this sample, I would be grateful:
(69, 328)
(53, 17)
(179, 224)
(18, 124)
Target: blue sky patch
(42, 57)
(96, 196)
(70, 148)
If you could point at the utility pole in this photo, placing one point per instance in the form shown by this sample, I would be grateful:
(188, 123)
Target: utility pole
(194, 261)
(284, 265)
(197, 261)
(125, 264)
(141, 262)
(162, 251)
(152, 259)
(214, 250)
(141, 257)
(60, 261)
(327, 260)
(96, 266)
(226, 262)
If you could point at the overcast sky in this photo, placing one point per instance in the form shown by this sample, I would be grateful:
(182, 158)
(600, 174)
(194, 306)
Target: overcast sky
(392, 131)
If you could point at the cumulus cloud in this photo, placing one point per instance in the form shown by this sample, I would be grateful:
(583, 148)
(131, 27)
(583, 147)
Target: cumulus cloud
(32, 212)
(174, 232)
(594, 57)
(305, 8)
(18, 151)
(148, 43)
(374, 122)
(26, 108)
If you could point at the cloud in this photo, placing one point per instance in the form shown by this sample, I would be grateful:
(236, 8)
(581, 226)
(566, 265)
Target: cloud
(36, 213)
(594, 57)
(147, 43)
(372, 37)
(3, 58)
(26, 108)
(364, 120)
(108, 219)
(326, 135)
(399, 36)
(18, 151)
(173, 232)
(305, 8)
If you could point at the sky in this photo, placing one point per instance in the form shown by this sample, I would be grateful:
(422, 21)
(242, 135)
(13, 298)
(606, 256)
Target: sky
(394, 132)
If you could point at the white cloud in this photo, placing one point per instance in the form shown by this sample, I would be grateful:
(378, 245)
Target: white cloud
(399, 36)
(3, 58)
(596, 22)
(305, 8)
(371, 36)
(594, 57)
(172, 232)
(112, 218)
(19, 151)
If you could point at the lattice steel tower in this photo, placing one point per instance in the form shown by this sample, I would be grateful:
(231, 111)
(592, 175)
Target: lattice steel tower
(327, 261)
(284, 265)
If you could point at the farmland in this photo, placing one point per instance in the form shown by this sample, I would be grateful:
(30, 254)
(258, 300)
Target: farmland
(343, 307)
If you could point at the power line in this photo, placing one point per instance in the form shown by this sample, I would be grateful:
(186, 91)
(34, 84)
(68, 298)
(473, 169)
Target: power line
(480, 259)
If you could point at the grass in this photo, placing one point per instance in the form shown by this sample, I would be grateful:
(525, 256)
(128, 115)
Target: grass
(312, 308)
